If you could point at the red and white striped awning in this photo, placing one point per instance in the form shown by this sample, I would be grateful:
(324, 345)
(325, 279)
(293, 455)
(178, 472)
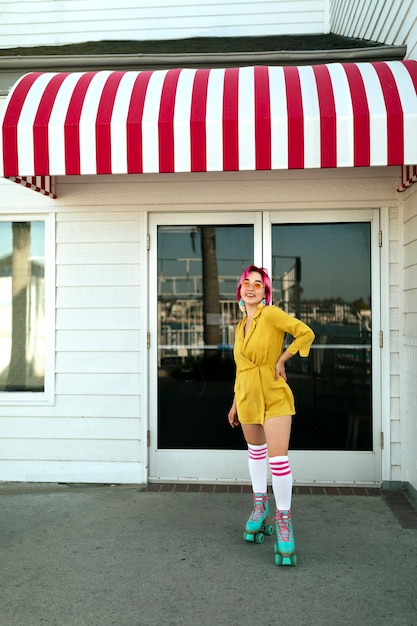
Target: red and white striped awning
(408, 177)
(42, 184)
(198, 120)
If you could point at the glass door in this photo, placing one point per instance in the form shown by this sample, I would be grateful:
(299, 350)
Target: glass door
(195, 263)
(327, 274)
(325, 270)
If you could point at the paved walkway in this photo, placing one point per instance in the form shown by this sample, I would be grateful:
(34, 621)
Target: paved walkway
(125, 556)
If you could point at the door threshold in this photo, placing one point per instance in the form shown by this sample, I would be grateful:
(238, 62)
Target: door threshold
(222, 487)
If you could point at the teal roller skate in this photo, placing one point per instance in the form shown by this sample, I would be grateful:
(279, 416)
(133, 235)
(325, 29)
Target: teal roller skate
(284, 549)
(257, 526)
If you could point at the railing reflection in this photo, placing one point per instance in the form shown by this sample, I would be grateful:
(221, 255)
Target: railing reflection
(332, 386)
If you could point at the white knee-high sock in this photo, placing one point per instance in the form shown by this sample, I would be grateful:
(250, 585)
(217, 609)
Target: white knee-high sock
(258, 467)
(281, 482)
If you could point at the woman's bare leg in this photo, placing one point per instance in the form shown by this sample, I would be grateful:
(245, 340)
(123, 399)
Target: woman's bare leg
(277, 433)
(254, 434)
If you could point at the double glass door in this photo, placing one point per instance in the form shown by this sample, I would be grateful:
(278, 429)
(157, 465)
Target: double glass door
(323, 272)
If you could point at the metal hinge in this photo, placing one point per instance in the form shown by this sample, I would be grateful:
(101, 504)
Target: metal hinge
(382, 440)
(148, 242)
(148, 340)
(148, 438)
(381, 339)
(380, 238)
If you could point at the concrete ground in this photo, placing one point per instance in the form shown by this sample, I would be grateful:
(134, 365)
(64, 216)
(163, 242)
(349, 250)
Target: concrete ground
(124, 556)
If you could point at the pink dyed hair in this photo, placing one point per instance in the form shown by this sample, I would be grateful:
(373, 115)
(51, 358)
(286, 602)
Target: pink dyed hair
(265, 278)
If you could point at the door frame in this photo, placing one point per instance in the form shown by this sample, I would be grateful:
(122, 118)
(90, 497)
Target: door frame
(309, 466)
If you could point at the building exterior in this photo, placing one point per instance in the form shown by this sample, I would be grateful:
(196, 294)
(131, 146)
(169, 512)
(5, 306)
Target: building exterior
(144, 192)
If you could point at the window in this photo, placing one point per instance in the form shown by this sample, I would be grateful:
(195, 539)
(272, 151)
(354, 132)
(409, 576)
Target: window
(22, 306)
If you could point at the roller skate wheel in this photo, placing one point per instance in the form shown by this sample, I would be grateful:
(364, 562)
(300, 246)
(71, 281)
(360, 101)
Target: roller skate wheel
(285, 560)
(259, 538)
(269, 530)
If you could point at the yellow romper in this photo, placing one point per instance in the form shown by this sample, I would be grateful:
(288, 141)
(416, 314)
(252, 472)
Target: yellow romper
(258, 395)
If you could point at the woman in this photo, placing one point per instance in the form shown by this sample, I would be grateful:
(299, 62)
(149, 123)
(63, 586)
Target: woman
(263, 403)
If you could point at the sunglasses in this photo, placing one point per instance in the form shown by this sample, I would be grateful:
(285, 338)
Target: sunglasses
(256, 285)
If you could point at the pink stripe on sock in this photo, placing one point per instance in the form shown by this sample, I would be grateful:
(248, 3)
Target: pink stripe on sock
(257, 454)
(280, 468)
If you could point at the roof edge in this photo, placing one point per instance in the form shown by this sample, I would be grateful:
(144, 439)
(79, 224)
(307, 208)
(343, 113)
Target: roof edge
(216, 59)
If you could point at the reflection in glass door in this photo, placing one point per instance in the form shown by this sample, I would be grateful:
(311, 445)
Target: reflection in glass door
(322, 275)
(325, 269)
(197, 271)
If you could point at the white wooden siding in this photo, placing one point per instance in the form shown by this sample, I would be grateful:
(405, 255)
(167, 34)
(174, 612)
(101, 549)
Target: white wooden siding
(52, 22)
(409, 342)
(394, 426)
(99, 267)
(94, 431)
(385, 21)
(68, 428)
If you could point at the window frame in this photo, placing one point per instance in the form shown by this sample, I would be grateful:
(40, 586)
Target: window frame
(45, 397)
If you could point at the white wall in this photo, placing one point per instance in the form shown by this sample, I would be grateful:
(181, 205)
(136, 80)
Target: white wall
(408, 343)
(52, 22)
(385, 21)
(393, 436)
(96, 429)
